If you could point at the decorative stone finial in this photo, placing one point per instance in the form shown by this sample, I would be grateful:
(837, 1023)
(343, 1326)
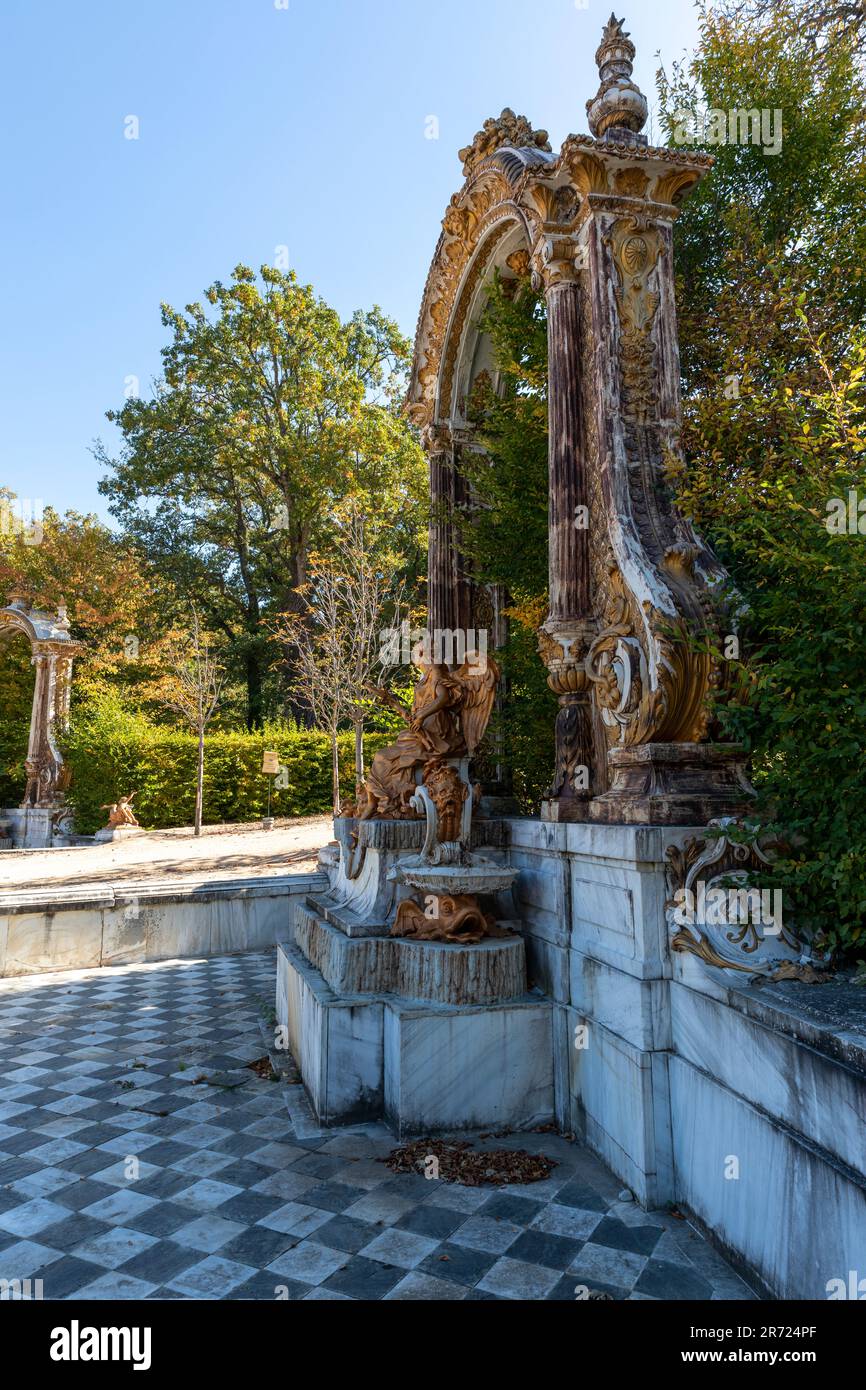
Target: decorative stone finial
(618, 111)
(507, 129)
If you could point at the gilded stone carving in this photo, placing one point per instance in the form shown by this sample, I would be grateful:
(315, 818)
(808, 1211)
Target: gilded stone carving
(636, 247)
(445, 917)
(497, 131)
(631, 182)
(715, 913)
(615, 662)
(518, 261)
(448, 792)
(619, 105)
(557, 205)
(449, 715)
(651, 676)
(120, 812)
(556, 261)
(588, 173)
(634, 617)
(672, 187)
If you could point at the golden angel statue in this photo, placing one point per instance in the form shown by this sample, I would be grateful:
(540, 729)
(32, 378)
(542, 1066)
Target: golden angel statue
(450, 712)
(120, 812)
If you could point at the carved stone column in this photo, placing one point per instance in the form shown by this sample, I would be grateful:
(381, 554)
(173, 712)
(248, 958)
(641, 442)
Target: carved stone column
(38, 772)
(447, 586)
(567, 634)
(440, 588)
(653, 663)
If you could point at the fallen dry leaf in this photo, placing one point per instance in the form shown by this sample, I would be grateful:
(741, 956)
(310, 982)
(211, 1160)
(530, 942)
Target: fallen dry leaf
(457, 1162)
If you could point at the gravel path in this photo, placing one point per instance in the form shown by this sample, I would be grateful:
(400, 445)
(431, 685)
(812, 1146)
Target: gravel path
(227, 851)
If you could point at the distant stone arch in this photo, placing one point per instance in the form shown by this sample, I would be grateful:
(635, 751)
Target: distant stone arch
(43, 816)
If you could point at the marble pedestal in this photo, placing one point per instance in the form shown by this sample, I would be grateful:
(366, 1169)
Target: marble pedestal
(110, 834)
(36, 827)
(431, 1036)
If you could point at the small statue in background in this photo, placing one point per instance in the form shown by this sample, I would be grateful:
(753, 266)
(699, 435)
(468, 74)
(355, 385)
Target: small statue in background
(120, 812)
(450, 712)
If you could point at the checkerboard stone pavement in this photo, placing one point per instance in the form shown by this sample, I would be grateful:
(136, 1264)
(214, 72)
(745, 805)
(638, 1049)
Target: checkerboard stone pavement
(141, 1158)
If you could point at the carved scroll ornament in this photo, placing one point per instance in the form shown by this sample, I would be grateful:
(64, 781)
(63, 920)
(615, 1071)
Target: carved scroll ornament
(714, 914)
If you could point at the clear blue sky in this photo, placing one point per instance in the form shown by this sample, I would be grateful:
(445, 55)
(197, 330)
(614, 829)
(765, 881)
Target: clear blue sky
(260, 126)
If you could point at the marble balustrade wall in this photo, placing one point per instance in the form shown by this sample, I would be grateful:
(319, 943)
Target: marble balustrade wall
(722, 1097)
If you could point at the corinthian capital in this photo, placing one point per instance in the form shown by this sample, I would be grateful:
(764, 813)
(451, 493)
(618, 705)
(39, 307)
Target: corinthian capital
(558, 260)
(436, 439)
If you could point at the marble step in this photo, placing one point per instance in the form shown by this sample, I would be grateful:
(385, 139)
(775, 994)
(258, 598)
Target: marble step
(423, 1067)
(343, 918)
(490, 972)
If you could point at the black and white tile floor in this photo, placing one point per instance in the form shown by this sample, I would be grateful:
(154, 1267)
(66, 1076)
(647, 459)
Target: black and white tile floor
(141, 1158)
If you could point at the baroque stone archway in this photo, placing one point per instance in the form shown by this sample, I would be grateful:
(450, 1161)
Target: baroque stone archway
(43, 817)
(634, 618)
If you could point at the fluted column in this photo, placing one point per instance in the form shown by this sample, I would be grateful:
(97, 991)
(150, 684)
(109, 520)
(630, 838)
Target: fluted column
(441, 596)
(567, 633)
(39, 722)
(448, 588)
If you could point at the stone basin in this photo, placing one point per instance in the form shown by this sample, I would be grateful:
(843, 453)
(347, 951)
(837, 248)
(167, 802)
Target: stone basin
(482, 876)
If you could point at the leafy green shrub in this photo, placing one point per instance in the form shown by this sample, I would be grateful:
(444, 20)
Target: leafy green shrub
(113, 752)
(799, 704)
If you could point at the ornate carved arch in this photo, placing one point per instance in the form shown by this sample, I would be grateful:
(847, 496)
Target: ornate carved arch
(634, 620)
(490, 210)
(52, 651)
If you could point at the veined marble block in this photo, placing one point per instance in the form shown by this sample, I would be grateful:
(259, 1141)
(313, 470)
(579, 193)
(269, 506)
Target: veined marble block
(486, 973)
(422, 1066)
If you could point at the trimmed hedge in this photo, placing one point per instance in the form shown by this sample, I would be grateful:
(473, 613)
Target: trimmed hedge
(112, 754)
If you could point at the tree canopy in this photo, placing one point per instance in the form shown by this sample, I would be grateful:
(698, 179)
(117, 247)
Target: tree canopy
(271, 414)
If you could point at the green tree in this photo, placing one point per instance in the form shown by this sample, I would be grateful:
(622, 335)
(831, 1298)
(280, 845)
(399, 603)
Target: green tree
(764, 228)
(271, 412)
(771, 298)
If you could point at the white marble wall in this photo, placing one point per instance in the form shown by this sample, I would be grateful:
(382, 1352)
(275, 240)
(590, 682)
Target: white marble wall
(677, 1073)
(795, 1216)
(66, 929)
(425, 1066)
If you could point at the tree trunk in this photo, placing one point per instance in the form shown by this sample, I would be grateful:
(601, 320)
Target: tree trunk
(199, 785)
(255, 707)
(359, 753)
(335, 772)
